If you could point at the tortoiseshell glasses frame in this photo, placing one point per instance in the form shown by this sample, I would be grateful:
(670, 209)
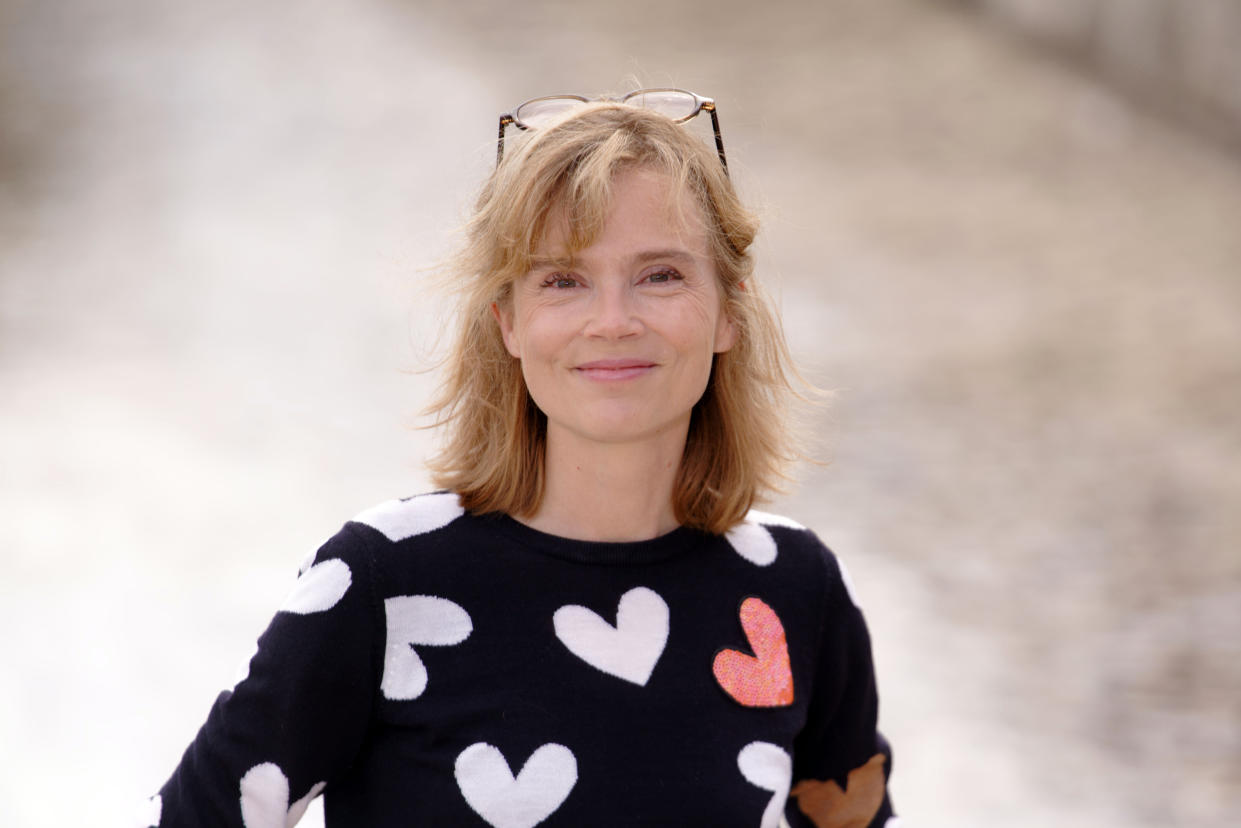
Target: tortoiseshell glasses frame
(677, 104)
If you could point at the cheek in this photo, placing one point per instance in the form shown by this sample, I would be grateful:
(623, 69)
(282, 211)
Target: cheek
(525, 326)
(538, 335)
(700, 325)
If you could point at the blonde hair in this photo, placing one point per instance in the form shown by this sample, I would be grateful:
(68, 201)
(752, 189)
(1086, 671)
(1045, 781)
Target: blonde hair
(493, 455)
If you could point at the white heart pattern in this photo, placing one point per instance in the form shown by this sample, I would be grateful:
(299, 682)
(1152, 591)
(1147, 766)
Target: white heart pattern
(769, 767)
(319, 588)
(401, 519)
(265, 798)
(629, 650)
(422, 620)
(768, 519)
(541, 786)
(753, 542)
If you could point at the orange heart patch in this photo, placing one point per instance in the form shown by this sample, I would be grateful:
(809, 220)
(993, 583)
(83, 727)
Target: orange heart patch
(765, 678)
(830, 807)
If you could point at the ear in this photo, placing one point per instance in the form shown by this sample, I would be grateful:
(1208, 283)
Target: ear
(725, 333)
(504, 318)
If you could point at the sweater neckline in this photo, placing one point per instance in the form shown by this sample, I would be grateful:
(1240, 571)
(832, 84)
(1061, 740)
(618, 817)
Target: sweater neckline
(609, 553)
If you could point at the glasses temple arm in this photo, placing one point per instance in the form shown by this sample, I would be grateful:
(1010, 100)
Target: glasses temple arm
(719, 141)
(505, 120)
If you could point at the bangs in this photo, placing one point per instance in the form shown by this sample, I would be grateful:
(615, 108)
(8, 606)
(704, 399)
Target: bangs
(578, 213)
(565, 185)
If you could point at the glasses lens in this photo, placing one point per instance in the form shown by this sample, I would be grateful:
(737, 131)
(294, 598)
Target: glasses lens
(675, 103)
(542, 111)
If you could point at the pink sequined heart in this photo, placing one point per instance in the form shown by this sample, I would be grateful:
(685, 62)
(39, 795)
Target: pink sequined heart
(765, 678)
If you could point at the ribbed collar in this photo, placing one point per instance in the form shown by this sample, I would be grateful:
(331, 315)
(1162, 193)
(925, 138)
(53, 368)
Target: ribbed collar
(679, 541)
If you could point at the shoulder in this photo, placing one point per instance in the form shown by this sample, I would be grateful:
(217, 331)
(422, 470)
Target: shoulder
(754, 540)
(363, 539)
(764, 538)
(404, 518)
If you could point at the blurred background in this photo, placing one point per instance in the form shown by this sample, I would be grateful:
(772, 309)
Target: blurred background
(1007, 233)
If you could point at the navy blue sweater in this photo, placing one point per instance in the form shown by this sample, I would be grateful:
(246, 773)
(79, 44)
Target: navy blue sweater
(437, 668)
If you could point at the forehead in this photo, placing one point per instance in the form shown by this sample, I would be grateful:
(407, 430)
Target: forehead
(640, 205)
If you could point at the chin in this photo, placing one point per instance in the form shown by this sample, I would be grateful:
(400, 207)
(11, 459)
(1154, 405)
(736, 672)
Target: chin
(625, 427)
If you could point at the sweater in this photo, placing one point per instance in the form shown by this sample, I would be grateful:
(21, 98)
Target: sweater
(433, 667)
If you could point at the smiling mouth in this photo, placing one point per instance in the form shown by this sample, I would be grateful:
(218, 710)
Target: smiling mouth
(614, 369)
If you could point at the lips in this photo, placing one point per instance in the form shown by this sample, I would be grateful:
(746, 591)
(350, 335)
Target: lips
(614, 369)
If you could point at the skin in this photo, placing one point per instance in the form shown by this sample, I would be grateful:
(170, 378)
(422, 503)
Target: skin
(616, 350)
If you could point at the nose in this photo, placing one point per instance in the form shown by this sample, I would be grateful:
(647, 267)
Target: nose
(613, 313)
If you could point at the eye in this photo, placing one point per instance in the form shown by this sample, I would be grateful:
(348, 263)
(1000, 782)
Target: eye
(663, 276)
(560, 281)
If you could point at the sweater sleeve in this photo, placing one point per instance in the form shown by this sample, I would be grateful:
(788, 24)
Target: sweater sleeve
(842, 762)
(297, 720)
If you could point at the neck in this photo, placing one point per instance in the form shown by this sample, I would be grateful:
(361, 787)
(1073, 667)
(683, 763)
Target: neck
(609, 491)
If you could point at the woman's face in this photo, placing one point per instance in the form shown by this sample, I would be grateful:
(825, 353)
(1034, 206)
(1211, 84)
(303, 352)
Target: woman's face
(618, 348)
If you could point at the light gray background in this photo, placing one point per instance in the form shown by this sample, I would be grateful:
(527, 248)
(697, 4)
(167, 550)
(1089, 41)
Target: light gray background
(216, 222)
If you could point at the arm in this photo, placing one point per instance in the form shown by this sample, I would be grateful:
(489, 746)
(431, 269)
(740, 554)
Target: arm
(842, 762)
(295, 723)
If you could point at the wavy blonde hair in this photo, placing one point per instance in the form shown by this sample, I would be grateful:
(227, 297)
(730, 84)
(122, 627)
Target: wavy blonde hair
(493, 454)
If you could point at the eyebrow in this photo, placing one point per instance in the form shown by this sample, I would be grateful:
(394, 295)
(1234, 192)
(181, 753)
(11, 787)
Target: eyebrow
(671, 253)
(674, 253)
(544, 262)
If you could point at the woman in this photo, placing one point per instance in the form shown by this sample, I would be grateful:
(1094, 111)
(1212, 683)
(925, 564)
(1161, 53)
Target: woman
(588, 626)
